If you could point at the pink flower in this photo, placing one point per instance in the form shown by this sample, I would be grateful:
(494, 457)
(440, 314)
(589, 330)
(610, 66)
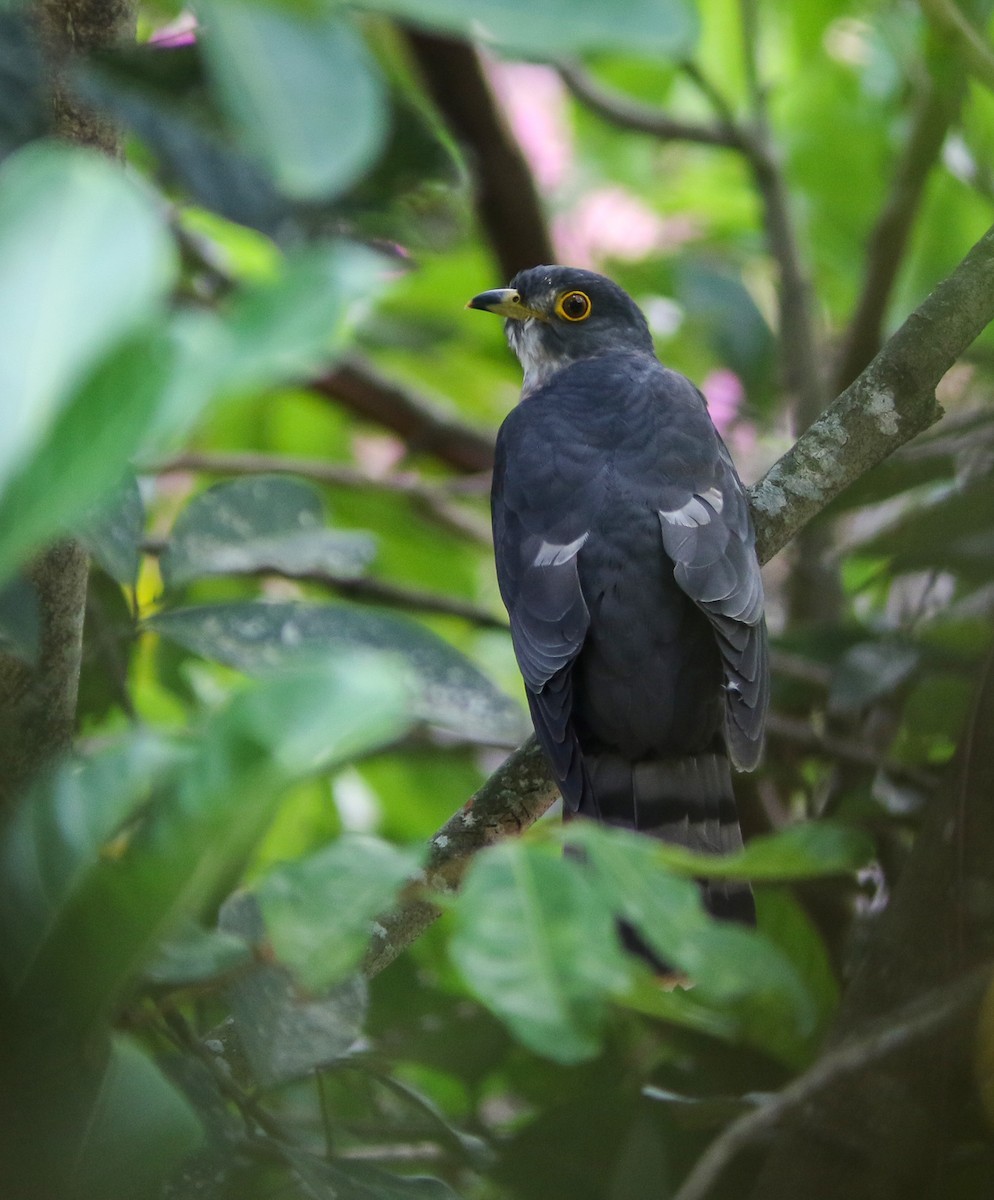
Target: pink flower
(611, 223)
(724, 393)
(181, 32)
(534, 101)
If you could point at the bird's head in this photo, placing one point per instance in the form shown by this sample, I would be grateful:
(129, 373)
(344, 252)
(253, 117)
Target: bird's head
(555, 316)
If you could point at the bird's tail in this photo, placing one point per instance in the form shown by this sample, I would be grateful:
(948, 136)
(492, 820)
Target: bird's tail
(686, 801)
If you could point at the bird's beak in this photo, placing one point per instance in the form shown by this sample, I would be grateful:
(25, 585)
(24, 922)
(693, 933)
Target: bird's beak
(505, 302)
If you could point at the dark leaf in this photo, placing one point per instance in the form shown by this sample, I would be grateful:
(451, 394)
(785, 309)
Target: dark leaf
(535, 943)
(19, 619)
(266, 522)
(253, 637)
(868, 672)
(114, 537)
(302, 89)
(284, 1031)
(319, 910)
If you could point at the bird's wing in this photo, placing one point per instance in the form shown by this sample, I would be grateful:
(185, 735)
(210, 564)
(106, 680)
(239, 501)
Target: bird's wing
(539, 528)
(707, 532)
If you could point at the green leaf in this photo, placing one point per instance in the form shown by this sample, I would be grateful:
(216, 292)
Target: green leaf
(99, 920)
(785, 923)
(139, 1128)
(265, 522)
(85, 259)
(286, 1034)
(86, 448)
(556, 27)
(355, 878)
(301, 87)
(67, 825)
(20, 620)
(339, 1180)
(194, 955)
(806, 850)
(535, 943)
(450, 691)
(733, 969)
(868, 672)
(114, 536)
(287, 328)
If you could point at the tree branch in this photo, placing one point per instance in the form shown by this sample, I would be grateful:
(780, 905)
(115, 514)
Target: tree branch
(425, 427)
(890, 402)
(506, 198)
(934, 113)
(893, 1122)
(922, 1018)
(38, 701)
(976, 52)
(645, 118)
(514, 797)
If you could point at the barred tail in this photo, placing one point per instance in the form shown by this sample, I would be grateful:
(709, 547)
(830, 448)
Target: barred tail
(686, 801)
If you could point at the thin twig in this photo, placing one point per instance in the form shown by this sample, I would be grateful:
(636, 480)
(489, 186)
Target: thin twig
(933, 115)
(433, 497)
(183, 1036)
(426, 427)
(978, 56)
(505, 196)
(801, 734)
(646, 118)
(924, 1016)
(369, 590)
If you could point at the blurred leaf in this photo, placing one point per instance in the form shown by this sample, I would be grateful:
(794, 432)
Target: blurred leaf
(25, 111)
(85, 449)
(302, 88)
(72, 227)
(186, 846)
(193, 955)
(451, 691)
(114, 537)
(264, 522)
(286, 1034)
(20, 620)
(556, 27)
(953, 530)
(802, 851)
(720, 303)
(787, 925)
(285, 328)
(733, 968)
(109, 632)
(139, 1128)
(60, 832)
(868, 672)
(806, 850)
(355, 879)
(535, 942)
(161, 94)
(358, 1181)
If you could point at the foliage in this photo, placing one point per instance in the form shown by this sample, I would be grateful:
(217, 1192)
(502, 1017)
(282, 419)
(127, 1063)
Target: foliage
(291, 678)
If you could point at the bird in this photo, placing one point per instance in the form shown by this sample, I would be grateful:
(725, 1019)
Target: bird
(625, 556)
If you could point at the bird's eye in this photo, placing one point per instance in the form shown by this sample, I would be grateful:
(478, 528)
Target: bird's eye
(574, 306)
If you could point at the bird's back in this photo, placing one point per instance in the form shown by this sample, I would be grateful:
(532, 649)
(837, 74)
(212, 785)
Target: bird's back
(633, 718)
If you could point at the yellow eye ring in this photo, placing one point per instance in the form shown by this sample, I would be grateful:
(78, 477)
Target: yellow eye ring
(573, 306)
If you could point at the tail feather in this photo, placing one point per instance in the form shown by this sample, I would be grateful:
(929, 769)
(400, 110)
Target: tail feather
(684, 801)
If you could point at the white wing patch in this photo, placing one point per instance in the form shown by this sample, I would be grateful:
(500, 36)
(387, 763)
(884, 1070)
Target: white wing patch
(698, 510)
(554, 554)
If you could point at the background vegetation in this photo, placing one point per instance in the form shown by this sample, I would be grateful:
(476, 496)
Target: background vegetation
(255, 678)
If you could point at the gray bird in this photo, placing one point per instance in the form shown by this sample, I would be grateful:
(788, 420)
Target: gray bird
(626, 558)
